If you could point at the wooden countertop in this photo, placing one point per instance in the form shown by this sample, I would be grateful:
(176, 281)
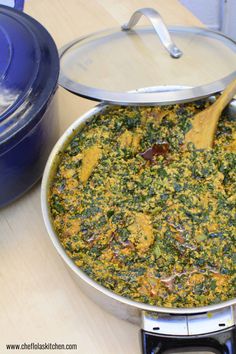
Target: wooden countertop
(39, 300)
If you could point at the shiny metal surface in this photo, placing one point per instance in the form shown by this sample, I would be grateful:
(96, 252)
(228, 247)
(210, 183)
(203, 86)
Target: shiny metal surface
(119, 306)
(212, 321)
(188, 325)
(153, 97)
(164, 323)
(159, 26)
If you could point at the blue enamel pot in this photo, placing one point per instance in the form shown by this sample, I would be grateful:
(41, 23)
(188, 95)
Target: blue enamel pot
(29, 69)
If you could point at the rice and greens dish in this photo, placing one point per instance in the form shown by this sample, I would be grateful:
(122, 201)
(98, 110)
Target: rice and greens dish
(143, 217)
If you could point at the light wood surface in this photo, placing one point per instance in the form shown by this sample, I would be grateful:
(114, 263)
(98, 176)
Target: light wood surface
(39, 300)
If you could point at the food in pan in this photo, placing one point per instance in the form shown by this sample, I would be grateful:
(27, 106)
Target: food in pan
(142, 216)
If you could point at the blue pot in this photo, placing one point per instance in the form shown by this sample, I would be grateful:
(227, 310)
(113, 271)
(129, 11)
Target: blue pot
(29, 69)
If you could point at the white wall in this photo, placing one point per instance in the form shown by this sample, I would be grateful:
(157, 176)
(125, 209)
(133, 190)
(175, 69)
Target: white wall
(215, 14)
(229, 23)
(208, 11)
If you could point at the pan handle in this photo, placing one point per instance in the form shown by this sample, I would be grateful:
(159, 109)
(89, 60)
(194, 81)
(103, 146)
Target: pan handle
(223, 342)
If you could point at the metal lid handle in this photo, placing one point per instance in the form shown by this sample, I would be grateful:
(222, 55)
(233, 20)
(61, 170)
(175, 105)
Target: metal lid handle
(159, 26)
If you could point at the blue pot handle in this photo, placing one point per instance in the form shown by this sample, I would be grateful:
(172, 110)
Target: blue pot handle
(17, 4)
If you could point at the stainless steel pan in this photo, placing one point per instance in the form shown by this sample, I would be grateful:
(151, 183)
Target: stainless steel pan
(162, 328)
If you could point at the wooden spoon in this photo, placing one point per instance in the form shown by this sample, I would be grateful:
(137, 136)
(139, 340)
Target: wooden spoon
(204, 124)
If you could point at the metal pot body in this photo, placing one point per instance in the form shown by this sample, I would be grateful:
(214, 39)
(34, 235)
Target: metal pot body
(91, 286)
(175, 322)
(23, 164)
(162, 332)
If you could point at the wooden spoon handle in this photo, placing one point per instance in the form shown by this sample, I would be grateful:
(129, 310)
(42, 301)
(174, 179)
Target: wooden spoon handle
(204, 123)
(226, 97)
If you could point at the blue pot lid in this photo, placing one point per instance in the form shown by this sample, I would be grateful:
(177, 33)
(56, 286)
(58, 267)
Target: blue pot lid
(29, 68)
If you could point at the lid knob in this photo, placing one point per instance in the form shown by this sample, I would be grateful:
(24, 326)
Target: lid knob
(159, 26)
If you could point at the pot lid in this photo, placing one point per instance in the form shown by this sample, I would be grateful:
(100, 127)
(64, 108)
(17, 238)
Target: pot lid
(19, 63)
(148, 65)
(29, 70)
